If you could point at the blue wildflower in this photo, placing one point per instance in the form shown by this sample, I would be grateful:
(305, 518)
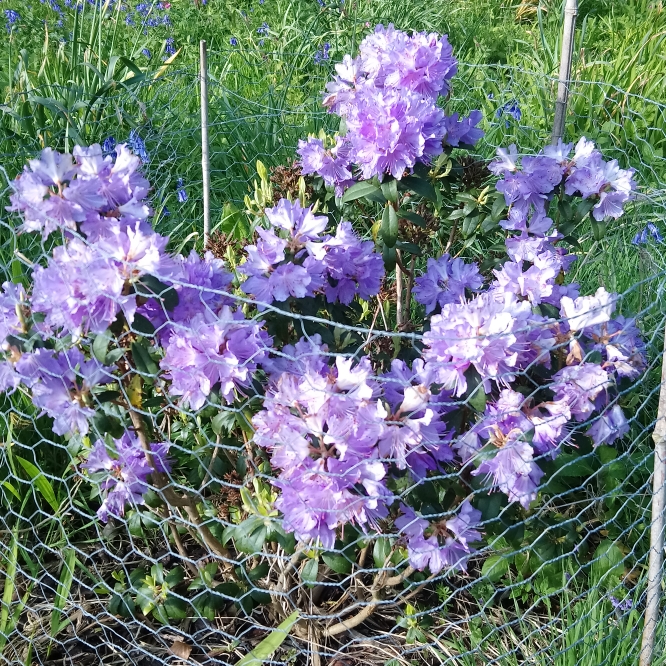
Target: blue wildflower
(12, 17)
(511, 109)
(261, 42)
(322, 4)
(137, 144)
(169, 48)
(129, 20)
(322, 55)
(145, 52)
(263, 29)
(108, 145)
(233, 41)
(181, 193)
(621, 605)
(650, 231)
(143, 9)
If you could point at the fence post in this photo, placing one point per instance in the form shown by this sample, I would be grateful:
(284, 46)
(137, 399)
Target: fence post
(205, 157)
(566, 56)
(653, 593)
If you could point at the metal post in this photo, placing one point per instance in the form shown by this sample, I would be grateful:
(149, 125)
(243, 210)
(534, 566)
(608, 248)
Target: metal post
(570, 12)
(653, 592)
(205, 156)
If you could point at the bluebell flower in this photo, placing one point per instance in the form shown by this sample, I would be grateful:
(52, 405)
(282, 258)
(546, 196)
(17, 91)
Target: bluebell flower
(143, 8)
(322, 55)
(129, 20)
(137, 145)
(621, 605)
(145, 52)
(261, 42)
(649, 232)
(166, 212)
(511, 109)
(181, 193)
(108, 145)
(263, 29)
(169, 48)
(322, 4)
(12, 17)
(233, 41)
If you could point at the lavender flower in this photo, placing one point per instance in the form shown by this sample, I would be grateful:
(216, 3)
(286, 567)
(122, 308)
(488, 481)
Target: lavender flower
(61, 386)
(206, 355)
(124, 472)
(333, 165)
(428, 552)
(445, 281)
(621, 605)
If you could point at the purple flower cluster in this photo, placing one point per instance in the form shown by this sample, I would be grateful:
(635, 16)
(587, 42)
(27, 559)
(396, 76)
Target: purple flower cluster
(497, 336)
(387, 96)
(445, 281)
(448, 544)
(61, 385)
(122, 474)
(529, 184)
(224, 352)
(302, 262)
(335, 431)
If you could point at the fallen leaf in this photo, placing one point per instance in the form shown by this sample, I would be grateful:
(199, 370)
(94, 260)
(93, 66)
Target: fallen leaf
(180, 649)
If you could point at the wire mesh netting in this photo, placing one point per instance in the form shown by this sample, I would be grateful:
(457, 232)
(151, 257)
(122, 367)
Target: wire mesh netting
(322, 499)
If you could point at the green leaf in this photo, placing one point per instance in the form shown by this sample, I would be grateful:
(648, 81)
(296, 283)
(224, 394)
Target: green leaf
(175, 576)
(606, 454)
(489, 224)
(224, 421)
(598, 229)
(469, 225)
(359, 190)
(411, 248)
(234, 223)
(478, 399)
(389, 256)
(390, 190)
(607, 564)
(270, 644)
(175, 608)
(42, 484)
(565, 210)
(380, 551)
(259, 572)
(339, 563)
(100, 346)
(389, 228)
(414, 218)
(106, 423)
(150, 287)
(250, 535)
(498, 208)
(572, 465)
(142, 359)
(310, 570)
(495, 567)
(142, 325)
(583, 208)
(457, 214)
(420, 186)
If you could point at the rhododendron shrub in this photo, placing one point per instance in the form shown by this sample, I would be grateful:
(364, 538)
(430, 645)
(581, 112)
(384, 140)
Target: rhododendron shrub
(142, 357)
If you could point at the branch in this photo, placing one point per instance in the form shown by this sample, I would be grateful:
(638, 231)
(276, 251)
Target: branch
(171, 497)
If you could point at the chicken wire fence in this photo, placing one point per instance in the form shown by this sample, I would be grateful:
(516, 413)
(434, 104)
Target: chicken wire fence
(176, 580)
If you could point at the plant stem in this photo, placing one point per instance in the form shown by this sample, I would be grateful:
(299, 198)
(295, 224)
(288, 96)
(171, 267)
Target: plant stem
(398, 292)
